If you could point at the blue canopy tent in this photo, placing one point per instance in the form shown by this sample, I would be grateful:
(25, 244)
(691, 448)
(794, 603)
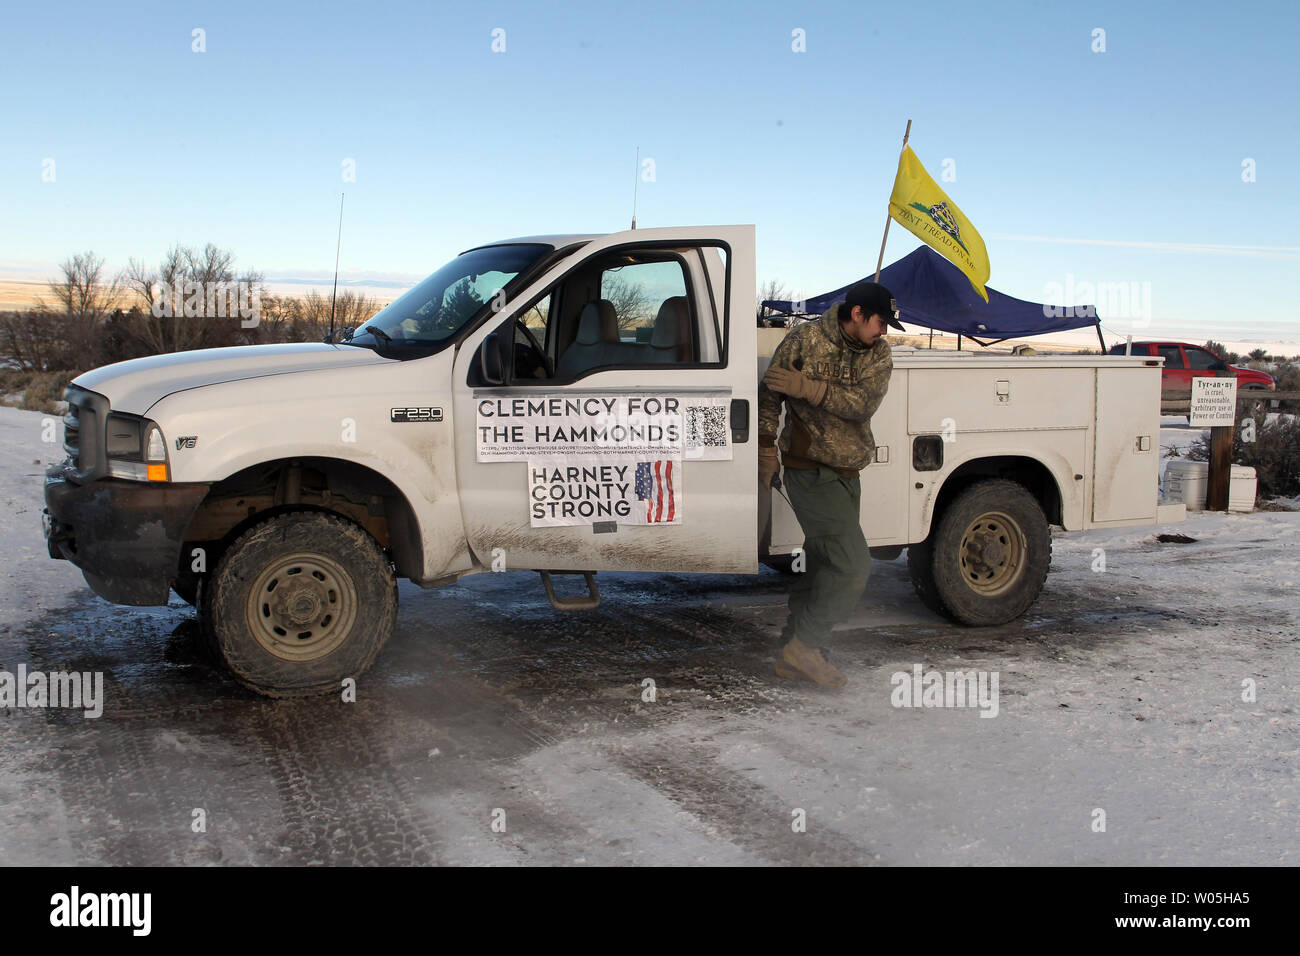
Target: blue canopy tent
(933, 293)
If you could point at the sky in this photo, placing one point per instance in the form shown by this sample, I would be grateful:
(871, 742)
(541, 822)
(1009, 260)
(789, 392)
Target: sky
(1160, 156)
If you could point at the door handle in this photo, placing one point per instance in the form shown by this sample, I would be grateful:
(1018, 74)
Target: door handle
(739, 420)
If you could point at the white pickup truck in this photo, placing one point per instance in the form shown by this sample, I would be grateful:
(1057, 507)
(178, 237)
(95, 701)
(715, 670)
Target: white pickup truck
(561, 404)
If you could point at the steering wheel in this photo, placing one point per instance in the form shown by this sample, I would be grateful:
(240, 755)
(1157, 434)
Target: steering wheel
(533, 344)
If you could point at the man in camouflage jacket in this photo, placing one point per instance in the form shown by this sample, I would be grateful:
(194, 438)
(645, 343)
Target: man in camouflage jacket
(832, 375)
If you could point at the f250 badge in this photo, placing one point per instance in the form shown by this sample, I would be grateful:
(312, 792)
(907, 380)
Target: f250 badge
(186, 441)
(422, 414)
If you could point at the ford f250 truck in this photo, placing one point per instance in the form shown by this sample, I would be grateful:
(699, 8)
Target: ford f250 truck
(568, 403)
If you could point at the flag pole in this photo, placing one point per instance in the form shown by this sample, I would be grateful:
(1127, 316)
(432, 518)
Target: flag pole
(883, 239)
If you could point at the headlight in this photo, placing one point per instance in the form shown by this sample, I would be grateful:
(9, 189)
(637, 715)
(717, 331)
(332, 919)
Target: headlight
(123, 437)
(136, 448)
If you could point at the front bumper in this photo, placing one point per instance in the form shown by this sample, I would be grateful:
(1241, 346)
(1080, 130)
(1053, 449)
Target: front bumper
(125, 536)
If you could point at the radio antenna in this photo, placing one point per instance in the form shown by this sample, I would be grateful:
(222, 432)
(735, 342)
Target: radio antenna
(636, 181)
(335, 294)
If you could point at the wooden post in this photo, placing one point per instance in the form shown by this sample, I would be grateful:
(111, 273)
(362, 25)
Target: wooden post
(1217, 487)
(1216, 498)
(888, 218)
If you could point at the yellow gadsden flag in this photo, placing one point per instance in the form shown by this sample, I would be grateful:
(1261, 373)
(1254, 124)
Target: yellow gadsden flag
(919, 205)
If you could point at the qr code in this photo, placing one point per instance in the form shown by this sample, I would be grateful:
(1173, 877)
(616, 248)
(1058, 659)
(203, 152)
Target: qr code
(706, 426)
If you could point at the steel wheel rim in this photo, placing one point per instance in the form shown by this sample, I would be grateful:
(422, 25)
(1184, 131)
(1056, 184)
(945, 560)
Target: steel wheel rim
(992, 553)
(301, 607)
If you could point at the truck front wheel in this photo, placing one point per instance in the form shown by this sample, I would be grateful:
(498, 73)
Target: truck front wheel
(298, 603)
(986, 560)
(186, 587)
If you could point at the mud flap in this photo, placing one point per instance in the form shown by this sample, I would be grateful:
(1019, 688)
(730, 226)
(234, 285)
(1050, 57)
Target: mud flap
(764, 521)
(588, 603)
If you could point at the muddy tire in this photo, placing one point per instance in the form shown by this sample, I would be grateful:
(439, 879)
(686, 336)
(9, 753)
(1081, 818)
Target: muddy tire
(986, 560)
(207, 639)
(920, 569)
(187, 588)
(298, 603)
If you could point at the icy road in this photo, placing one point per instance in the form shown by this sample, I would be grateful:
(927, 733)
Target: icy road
(1146, 715)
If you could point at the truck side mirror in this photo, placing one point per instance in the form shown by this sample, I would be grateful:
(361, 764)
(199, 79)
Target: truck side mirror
(489, 357)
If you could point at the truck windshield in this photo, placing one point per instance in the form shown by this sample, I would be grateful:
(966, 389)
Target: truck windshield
(436, 309)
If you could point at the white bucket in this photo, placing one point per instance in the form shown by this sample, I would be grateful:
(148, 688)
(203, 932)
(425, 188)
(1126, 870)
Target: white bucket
(1189, 481)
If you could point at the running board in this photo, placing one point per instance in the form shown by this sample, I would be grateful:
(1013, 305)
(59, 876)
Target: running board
(591, 601)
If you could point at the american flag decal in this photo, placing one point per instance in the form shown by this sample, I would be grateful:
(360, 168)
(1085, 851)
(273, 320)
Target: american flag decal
(654, 486)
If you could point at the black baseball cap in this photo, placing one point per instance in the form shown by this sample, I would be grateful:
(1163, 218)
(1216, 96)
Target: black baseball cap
(875, 299)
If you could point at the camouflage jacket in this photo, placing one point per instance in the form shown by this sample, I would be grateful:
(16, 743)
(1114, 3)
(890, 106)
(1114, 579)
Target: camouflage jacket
(836, 433)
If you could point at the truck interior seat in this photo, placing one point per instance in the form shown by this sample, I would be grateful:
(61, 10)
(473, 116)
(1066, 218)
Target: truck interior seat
(671, 340)
(597, 340)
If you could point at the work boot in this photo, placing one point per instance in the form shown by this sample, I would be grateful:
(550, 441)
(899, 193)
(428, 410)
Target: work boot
(799, 660)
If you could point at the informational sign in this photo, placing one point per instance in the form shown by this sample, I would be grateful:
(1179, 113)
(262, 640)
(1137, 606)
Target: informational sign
(604, 458)
(1214, 401)
(651, 424)
(624, 489)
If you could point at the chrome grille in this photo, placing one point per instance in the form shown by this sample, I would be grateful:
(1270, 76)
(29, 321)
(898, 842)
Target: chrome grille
(72, 432)
(83, 432)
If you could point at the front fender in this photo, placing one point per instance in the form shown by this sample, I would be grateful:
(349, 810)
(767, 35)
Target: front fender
(234, 426)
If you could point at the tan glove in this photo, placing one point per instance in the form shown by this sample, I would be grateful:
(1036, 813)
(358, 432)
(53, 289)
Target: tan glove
(787, 381)
(768, 465)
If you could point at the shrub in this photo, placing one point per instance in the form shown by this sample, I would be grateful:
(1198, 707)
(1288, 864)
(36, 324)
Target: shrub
(1274, 454)
(1288, 380)
(1221, 350)
(39, 391)
(41, 341)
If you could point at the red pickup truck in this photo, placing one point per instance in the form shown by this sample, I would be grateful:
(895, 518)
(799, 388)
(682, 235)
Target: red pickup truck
(1184, 361)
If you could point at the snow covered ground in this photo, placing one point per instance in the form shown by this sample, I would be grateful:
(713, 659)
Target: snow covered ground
(1160, 691)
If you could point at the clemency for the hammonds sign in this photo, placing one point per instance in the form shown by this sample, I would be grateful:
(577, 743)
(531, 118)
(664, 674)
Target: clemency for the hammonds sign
(1214, 402)
(648, 425)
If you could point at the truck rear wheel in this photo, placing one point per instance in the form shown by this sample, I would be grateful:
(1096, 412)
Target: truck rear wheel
(298, 603)
(986, 560)
(920, 568)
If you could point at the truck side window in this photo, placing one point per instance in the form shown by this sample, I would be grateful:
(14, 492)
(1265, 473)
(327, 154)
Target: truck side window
(638, 293)
(1201, 360)
(530, 340)
(1172, 355)
(626, 309)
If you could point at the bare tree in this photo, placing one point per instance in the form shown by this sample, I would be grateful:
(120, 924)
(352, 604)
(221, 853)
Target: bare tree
(84, 291)
(355, 308)
(631, 304)
(36, 341)
(168, 320)
(772, 289)
(281, 319)
(85, 296)
(352, 309)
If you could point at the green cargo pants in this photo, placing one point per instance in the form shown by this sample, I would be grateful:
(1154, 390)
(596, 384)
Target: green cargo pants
(837, 559)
